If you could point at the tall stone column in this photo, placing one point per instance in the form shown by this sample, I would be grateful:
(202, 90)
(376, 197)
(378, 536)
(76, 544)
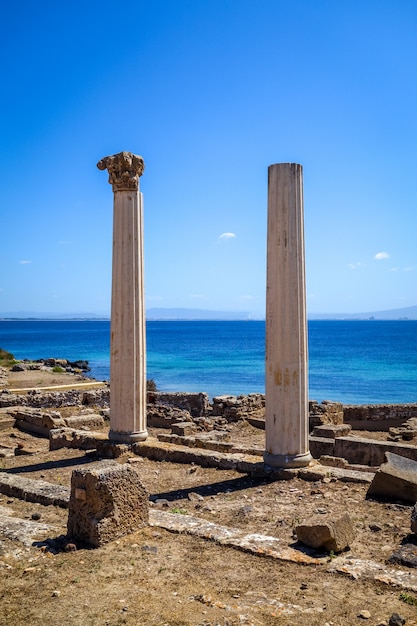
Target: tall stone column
(286, 379)
(128, 335)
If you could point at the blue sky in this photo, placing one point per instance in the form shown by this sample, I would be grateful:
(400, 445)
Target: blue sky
(209, 93)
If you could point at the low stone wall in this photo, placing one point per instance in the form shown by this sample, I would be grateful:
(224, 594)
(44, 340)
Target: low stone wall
(56, 399)
(352, 414)
(361, 416)
(236, 408)
(197, 404)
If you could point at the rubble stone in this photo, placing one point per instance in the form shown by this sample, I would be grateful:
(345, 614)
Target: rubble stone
(395, 479)
(330, 534)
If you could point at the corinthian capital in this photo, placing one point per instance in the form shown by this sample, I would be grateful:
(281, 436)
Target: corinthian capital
(124, 170)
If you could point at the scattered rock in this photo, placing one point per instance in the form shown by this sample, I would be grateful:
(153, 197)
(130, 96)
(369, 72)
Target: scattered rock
(36, 516)
(150, 549)
(70, 547)
(395, 479)
(332, 534)
(405, 555)
(161, 503)
(365, 614)
(195, 497)
(396, 620)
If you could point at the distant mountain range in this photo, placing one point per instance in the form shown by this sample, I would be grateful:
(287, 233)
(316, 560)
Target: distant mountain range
(406, 313)
(197, 314)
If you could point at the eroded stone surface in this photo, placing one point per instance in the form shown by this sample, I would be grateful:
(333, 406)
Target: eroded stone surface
(106, 503)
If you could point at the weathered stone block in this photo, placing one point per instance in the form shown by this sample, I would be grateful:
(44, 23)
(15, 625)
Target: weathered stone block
(396, 479)
(329, 534)
(85, 422)
(320, 446)
(106, 503)
(70, 438)
(161, 416)
(332, 430)
(333, 461)
(183, 429)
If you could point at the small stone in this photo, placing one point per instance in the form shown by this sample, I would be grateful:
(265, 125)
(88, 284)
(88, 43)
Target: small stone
(303, 586)
(376, 528)
(70, 547)
(364, 614)
(151, 549)
(56, 593)
(161, 503)
(396, 620)
(193, 496)
(36, 516)
(406, 555)
(244, 511)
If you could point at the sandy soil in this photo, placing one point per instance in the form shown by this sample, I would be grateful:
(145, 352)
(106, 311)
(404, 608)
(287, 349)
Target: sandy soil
(158, 578)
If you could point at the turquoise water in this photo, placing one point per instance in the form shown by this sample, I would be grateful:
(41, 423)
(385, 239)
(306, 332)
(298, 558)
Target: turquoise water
(349, 361)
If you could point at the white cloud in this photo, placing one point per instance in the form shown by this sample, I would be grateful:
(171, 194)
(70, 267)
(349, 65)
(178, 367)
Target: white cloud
(394, 269)
(25, 262)
(408, 269)
(381, 255)
(227, 236)
(247, 297)
(355, 266)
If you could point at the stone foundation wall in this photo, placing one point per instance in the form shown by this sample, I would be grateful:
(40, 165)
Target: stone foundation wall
(197, 404)
(235, 408)
(379, 412)
(56, 399)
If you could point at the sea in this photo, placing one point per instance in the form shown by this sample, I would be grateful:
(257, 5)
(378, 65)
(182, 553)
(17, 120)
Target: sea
(354, 362)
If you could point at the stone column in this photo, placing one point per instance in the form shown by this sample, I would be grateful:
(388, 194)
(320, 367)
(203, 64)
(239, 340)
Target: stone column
(286, 380)
(128, 335)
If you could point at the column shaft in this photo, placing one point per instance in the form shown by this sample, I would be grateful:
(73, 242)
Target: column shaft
(128, 334)
(286, 377)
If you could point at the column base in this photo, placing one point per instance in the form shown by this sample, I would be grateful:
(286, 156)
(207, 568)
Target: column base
(118, 436)
(289, 460)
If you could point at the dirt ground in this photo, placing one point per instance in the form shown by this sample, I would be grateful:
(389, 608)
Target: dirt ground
(154, 577)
